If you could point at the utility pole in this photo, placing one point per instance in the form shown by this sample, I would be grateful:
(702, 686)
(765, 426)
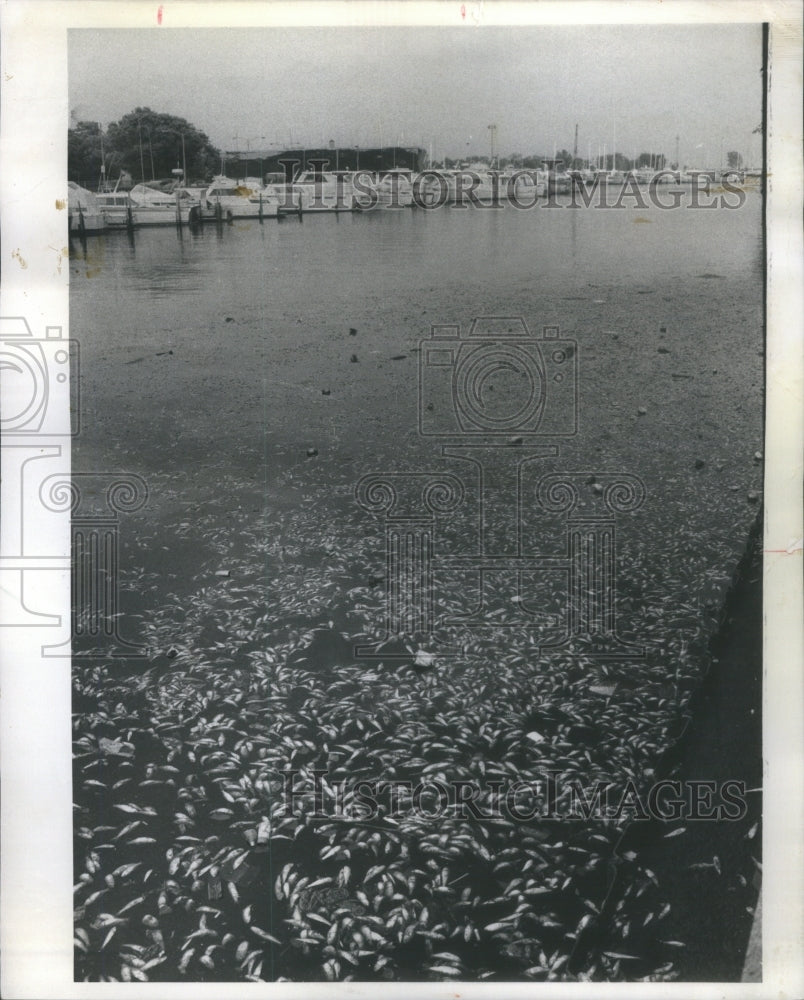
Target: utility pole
(575, 148)
(678, 162)
(493, 131)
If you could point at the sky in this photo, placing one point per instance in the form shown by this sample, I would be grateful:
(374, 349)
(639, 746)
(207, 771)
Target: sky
(439, 88)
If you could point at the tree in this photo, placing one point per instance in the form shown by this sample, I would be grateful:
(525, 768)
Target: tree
(734, 160)
(151, 145)
(84, 144)
(656, 160)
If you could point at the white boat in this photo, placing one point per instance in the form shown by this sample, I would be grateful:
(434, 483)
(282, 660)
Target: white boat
(639, 175)
(116, 209)
(267, 204)
(394, 188)
(152, 205)
(483, 186)
(83, 211)
(556, 178)
(226, 199)
(316, 191)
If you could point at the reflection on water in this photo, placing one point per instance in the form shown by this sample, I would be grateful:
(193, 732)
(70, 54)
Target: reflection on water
(335, 258)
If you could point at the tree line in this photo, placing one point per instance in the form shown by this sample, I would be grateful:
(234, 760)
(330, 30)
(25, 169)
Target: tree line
(147, 145)
(144, 145)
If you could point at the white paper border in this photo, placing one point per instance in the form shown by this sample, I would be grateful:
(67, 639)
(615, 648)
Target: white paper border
(36, 830)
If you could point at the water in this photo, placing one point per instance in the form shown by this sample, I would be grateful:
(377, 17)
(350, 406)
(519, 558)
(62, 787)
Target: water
(334, 259)
(213, 363)
(230, 345)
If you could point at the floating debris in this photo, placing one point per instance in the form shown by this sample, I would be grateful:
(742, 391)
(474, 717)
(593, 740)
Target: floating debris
(607, 690)
(117, 747)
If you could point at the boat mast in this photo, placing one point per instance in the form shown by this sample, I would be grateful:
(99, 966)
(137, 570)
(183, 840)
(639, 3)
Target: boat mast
(102, 183)
(142, 158)
(613, 139)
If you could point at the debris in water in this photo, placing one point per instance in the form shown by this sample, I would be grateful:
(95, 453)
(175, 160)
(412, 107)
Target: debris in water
(352, 331)
(117, 747)
(642, 411)
(353, 359)
(325, 392)
(699, 463)
(222, 572)
(312, 452)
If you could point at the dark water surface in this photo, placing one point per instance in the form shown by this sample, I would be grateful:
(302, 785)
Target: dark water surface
(257, 316)
(334, 258)
(219, 367)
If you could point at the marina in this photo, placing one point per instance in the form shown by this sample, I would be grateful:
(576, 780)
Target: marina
(311, 191)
